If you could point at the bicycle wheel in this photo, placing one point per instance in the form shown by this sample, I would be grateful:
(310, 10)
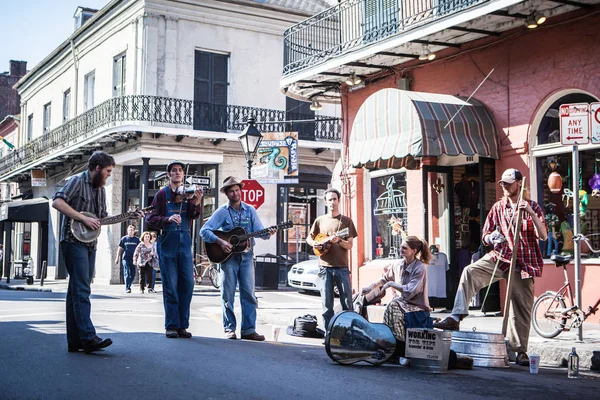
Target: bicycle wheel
(548, 319)
(213, 275)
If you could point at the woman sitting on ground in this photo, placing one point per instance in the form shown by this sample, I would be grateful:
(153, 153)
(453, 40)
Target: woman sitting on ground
(408, 276)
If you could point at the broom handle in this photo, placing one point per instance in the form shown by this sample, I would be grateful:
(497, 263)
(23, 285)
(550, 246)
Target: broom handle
(513, 263)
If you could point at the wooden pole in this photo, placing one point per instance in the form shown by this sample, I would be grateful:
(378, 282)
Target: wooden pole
(513, 262)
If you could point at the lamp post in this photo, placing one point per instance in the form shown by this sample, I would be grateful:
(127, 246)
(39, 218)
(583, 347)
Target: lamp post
(250, 140)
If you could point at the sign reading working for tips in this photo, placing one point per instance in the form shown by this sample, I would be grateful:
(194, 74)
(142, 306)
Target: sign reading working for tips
(423, 343)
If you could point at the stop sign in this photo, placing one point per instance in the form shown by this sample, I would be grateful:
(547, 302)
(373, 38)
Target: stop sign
(253, 193)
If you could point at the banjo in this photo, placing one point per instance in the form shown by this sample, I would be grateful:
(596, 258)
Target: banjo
(86, 235)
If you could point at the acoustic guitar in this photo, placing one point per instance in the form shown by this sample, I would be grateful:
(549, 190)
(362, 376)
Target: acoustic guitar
(325, 241)
(239, 240)
(86, 235)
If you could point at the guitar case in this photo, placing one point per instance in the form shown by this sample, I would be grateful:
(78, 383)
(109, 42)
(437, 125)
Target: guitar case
(351, 339)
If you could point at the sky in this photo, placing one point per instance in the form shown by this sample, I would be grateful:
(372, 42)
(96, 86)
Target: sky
(32, 29)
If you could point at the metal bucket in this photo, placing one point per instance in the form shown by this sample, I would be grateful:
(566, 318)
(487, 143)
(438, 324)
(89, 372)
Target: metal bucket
(435, 366)
(486, 349)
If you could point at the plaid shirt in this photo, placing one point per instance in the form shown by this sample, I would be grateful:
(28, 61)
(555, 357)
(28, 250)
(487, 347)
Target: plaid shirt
(529, 258)
(81, 196)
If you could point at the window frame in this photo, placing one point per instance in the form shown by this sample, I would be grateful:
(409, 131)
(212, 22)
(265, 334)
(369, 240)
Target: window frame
(47, 118)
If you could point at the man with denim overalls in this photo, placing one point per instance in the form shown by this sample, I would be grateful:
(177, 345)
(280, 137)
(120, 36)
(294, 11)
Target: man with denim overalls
(174, 213)
(240, 267)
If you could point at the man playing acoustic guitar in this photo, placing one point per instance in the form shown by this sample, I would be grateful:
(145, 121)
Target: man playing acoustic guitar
(83, 192)
(333, 247)
(239, 267)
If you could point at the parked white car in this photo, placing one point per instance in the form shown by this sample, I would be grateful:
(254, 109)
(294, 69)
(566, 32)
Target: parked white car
(303, 275)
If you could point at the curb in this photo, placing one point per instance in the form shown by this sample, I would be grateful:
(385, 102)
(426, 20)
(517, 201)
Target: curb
(24, 288)
(558, 356)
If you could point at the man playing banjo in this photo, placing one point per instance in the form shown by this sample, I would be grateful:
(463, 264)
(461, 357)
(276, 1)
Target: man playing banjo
(83, 193)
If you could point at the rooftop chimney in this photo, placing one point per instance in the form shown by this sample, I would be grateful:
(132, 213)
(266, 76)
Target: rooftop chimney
(18, 68)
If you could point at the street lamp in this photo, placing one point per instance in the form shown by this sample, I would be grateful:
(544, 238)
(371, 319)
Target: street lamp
(250, 140)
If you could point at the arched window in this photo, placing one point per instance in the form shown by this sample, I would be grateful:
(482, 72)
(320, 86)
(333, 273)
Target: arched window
(548, 156)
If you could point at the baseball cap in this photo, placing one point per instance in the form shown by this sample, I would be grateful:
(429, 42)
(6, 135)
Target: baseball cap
(511, 175)
(175, 162)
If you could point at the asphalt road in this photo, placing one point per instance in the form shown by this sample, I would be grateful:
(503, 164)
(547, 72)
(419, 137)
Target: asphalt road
(142, 363)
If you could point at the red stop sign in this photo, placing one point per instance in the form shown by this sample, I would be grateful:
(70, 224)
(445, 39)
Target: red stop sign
(253, 193)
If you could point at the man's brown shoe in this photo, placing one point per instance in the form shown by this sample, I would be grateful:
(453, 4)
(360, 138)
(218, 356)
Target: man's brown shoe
(171, 334)
(447, 324)
(184, 334)
(522, 360)
(254, 336)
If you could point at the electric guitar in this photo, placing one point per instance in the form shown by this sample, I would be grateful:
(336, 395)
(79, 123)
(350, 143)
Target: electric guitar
(239, 240)
(86, 235)
(325, 241)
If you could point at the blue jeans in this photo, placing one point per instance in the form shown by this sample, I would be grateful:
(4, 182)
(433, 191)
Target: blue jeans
(177, 274)
(80, 261)
(239, 269)
(153, 278)
(128, 271)
(341, 278)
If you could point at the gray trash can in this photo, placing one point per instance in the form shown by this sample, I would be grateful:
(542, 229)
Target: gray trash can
(267, 272)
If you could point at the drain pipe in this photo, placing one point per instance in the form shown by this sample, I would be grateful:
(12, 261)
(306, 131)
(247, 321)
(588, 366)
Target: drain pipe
(76, 83)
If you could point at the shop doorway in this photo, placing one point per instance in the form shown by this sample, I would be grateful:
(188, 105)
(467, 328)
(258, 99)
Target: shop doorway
(457, 200)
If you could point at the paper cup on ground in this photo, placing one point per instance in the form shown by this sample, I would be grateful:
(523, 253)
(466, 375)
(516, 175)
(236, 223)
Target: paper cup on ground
(275, 333)
(534, 363)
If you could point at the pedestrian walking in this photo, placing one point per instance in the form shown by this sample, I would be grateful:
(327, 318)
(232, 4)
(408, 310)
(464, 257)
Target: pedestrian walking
(127, 247)
(143, 258)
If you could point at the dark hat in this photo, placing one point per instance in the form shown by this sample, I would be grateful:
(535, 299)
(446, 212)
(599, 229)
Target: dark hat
(511, 175)
(175, 162)
(230, 181)
(305, 326)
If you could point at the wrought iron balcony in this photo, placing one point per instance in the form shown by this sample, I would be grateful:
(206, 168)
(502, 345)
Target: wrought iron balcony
(353, 24)
(163, 111)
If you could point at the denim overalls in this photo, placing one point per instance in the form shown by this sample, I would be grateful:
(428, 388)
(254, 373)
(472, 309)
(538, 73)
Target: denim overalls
(176, 266)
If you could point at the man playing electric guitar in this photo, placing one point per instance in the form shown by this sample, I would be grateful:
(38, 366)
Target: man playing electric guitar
(333, 263)
(239, 267)
(83, 192)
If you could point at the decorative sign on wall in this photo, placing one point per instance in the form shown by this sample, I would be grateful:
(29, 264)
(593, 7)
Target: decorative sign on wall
(277, 158)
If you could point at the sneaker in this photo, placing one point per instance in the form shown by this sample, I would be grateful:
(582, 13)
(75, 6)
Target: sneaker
(184, 334)
(253, 336)
(171, 334)
(151, 291)
(230, 335)
(128, 291)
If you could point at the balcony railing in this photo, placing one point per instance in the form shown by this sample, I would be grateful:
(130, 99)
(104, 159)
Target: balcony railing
(357, 23)
(163, 111)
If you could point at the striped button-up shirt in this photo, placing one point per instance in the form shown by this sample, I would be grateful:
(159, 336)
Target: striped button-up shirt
(81, 196)
(529, 256)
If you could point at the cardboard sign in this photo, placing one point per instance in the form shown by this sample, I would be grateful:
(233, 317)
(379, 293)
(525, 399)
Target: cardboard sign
(424, 343)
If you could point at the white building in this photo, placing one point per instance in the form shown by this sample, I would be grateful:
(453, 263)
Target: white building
(155, 80)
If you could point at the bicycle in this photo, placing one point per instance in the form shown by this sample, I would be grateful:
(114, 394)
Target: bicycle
(203, 267)
(551, 316)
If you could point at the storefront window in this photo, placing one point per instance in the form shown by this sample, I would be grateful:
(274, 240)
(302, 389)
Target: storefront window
(555, 186)
(388, 196)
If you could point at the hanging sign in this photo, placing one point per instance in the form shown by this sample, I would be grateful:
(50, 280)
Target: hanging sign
(38, 178)
(595, 122)
(277, 158)
(574, 124)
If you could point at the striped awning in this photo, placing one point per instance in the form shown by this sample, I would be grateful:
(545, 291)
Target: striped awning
(395, 127)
